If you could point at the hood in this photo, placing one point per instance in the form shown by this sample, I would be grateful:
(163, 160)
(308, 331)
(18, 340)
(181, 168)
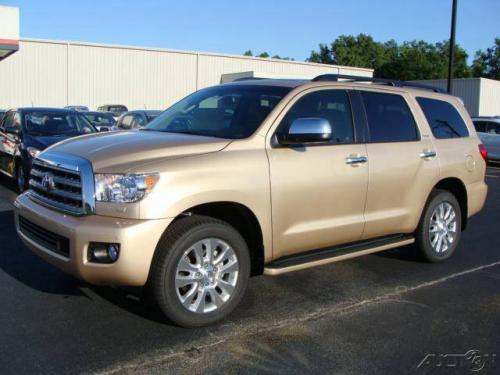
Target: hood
(122, 152)
(41, 142)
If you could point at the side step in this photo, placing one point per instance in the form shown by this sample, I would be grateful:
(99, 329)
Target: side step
(319, 257)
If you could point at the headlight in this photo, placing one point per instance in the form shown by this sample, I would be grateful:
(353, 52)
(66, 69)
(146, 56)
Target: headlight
(32, 151)
(124, 188)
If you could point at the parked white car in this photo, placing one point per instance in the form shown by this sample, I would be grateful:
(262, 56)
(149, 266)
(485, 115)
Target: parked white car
(488, 129)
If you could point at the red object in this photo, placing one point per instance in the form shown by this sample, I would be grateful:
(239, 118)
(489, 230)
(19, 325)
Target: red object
(483, 151)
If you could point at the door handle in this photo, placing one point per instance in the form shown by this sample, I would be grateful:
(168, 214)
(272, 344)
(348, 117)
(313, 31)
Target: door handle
(356, 160)
(427, 154)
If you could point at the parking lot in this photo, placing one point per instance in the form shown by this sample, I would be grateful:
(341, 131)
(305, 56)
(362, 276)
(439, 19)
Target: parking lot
(383, 313)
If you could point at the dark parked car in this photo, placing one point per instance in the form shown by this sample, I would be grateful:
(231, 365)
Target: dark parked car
(25, 132)
(116, 109)
(136, 119)
(103, 121)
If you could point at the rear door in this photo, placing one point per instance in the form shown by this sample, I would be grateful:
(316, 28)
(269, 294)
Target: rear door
(402, 164)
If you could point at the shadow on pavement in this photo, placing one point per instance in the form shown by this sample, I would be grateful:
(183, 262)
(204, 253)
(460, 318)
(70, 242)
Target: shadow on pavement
(21, 264)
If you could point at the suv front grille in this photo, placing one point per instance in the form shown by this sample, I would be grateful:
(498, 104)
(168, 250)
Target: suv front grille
(49, 240)
(61, 185)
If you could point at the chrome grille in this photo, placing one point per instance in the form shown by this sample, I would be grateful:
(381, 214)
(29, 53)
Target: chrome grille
(58, 181)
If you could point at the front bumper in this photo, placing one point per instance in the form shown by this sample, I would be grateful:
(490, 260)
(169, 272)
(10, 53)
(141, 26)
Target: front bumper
(137, 238)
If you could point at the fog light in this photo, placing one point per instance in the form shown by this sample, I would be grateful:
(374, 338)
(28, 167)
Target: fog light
(101, 252)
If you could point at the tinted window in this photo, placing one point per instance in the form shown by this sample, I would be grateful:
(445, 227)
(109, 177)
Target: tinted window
(389, 118)
(443, 118)
(493, 128)
(480, 126)
(56, 123)
(333, 105)
(100, 119)
(225, 111)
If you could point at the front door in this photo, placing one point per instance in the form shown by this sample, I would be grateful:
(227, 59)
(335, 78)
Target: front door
(317, 194)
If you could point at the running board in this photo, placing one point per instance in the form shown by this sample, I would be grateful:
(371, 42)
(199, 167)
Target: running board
(315, 258)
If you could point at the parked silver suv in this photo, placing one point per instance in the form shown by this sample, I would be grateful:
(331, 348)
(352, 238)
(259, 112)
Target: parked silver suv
(488, 130)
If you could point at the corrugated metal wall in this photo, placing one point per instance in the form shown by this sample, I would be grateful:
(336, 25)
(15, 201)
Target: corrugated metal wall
(489, 104)
(50, 73)
(468, 89)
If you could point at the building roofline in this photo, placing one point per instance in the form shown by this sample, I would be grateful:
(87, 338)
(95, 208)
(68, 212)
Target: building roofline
(195, 53)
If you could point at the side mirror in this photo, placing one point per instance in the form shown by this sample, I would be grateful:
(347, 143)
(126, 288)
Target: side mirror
(307, 130)
(14, 130)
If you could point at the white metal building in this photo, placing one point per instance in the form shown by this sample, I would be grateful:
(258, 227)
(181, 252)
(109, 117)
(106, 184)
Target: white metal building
(55, 73)
(481, 96)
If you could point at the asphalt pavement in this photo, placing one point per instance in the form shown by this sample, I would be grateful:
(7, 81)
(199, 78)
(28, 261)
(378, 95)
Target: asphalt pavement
(383, 313)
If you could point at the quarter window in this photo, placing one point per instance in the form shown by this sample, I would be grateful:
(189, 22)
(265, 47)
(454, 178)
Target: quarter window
(443, 118)
(332, 105)
(389, 118)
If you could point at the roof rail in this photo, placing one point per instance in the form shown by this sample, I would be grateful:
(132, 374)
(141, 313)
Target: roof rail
(389, 82)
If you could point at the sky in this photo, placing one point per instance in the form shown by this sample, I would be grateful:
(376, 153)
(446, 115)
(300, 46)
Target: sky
(284, 27)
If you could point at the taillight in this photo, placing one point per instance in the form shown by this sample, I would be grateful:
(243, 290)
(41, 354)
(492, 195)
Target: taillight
(483, 151)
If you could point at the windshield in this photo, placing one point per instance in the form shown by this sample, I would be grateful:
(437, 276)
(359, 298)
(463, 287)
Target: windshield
(233, 111)
(57, 123)
(100, 119)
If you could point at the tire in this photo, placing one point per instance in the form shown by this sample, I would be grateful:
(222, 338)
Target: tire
(212, 294)
(21, 183)
(434, 224)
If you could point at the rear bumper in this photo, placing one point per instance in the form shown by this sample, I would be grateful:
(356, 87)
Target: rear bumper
(476, 196)
(137, 238)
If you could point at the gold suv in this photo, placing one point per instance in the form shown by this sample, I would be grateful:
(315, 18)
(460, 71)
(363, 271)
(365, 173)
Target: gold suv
(251, 177)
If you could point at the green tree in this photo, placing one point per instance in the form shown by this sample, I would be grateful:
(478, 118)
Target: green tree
(248, 53)
(408, 60)
(487, 63)
(263, 54)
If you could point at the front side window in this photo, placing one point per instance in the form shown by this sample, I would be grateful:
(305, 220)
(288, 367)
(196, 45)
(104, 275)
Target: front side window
(226, 111)
(56, 123)
(332, 105)
(100, 119)
(443, 118)
(138, 121)
(389, 118)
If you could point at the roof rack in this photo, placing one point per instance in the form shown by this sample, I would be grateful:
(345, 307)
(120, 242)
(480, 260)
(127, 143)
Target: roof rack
(384, 81)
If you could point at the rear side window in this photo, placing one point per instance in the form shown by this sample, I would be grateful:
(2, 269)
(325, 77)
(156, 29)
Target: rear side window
(480, 126)
(389, 118)
(493, 127)
(332, 105)
(443, 118)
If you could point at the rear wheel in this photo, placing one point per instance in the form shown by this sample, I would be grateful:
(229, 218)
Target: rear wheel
(440, 227)
(200, 271)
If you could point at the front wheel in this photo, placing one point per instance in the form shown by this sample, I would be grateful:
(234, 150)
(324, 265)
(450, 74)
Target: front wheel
(200, 271)
(440, 227)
